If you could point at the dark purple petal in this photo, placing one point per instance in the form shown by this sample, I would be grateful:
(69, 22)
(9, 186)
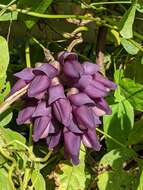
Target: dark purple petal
(39, 84)
(96, 90)
(56, 92)
(54, 126)
(54, 139)
(73, 127)
(90, 68)
(86, 117)
(62, 111)
(101, 107)
(41, 128)
(72, 143)
(84, 81)
(109, 84)
(64, 56)
(26, 74)
(46, 69)
(17, 86)
(80, 99)
(90, 140)
(72, 69)
(42, 110)
(25, 114)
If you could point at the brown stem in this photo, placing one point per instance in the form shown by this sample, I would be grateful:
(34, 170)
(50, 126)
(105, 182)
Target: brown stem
(11, 99)
(101, 39)
(74, 43)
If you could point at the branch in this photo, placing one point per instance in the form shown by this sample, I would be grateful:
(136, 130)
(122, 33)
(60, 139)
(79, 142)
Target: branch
(101, 39)
(11, 99)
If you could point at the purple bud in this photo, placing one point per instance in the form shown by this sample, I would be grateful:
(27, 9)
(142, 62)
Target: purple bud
(80, 99)
(72, 143)
(107, 83)
(46, 69)
(62, 111)
(64, 55)
(56, 92)
(73, 127)
(26, 113)
(41, 128)
(42, 110)
(26, 74)
(90, 140)
(101, 107)
(39, 84)
(17, 86)
(86, 117)
(90, 68)
(53, 139)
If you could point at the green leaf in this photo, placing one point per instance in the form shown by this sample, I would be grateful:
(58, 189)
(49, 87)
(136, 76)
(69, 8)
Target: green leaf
(116, 158)
(111, 180)
(140, 185)
(136, 134)
(38, 181)
(4, 60)
(140, 6)
(71, 177)
(4, 181)
(9, 16)
(129, 46)
(39, 6)
(119, 124)
(133, 93)
(126, 24)
(5, 118)
(9, 136)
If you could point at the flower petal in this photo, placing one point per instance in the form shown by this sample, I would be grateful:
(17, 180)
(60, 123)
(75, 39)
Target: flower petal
(80, 99)
(26, 74)
(54, 139)
(86, 117)
(90, 140)
(56, 92)
(90, 68)
(17, 86)
(109, 84)
(101, 107)
(72, 69)
(72, 143)
(41, 128)
(25, 114)
(64, 56)
(73, 127)
(39, 84)
(62, 111)
(46, 69)
(42, 110)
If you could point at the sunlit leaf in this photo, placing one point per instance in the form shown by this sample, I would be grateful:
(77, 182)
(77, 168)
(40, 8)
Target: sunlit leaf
(4, 181)
(133, 93)
(129, 46)
(38, 181)
(4, 60)
(119, 124)
(136, 134)
(126, 25)
(70, 177)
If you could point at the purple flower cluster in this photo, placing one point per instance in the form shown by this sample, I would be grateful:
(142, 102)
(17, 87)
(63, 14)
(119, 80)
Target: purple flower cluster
(64, 103)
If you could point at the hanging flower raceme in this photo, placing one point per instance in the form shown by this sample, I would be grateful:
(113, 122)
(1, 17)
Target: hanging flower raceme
(64, 105)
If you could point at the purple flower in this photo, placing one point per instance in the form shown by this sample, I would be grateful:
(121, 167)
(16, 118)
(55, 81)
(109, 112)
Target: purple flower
(71, 66)
(65, 109)
(86, 117)
(60, 104)
(25, 115)
(42, 118)
(72, 143)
